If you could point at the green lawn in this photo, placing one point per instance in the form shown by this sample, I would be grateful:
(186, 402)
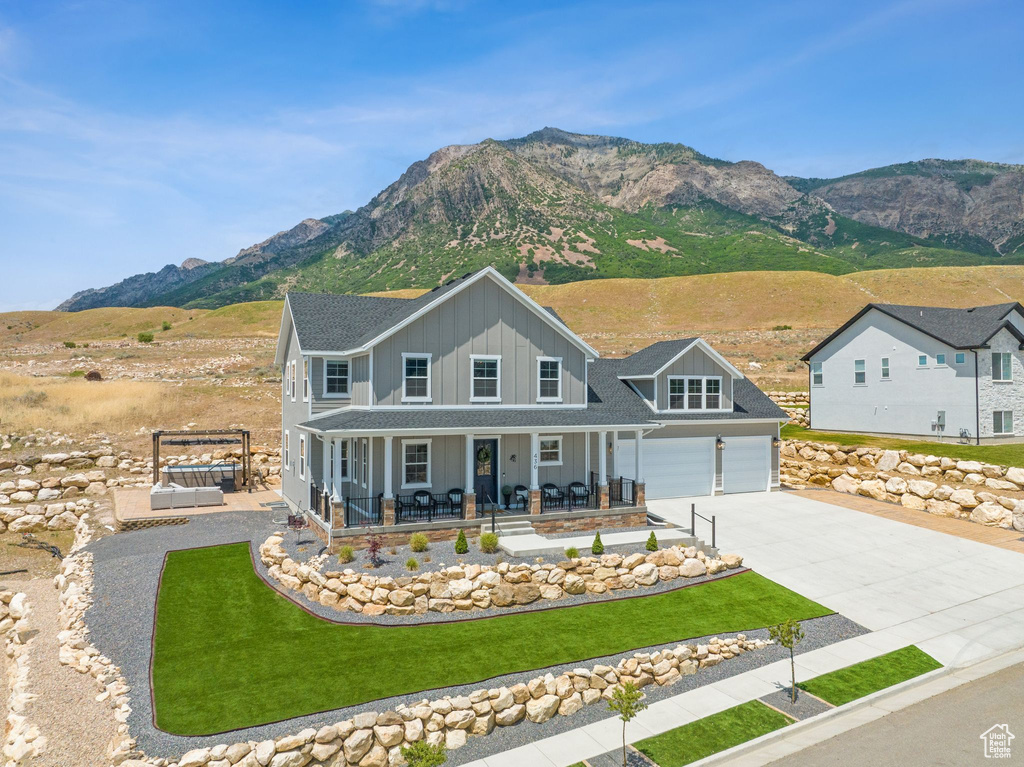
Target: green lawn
(230, 652)
(860, 679)
(1008, 455)
(712, 734)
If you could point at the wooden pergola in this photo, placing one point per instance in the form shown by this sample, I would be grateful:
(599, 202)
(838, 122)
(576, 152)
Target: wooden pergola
(205, 438)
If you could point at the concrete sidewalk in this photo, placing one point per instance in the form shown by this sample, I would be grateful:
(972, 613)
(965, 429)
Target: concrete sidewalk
(536, 545)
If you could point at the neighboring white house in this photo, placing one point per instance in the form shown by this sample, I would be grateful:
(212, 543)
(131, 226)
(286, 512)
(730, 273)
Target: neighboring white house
(922, 370)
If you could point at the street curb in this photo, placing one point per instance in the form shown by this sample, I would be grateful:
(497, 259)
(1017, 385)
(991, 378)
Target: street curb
(832, 723)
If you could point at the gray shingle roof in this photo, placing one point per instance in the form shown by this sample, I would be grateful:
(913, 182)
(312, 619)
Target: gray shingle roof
(610, 402)
(959, 328)
(330, 322)
(653, 358)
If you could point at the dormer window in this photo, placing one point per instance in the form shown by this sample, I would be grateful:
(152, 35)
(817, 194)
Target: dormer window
(416, 377)
(694, 393)
(486, 383)
(335, 378)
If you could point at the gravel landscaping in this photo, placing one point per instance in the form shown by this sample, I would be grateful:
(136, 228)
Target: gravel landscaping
(127, 571)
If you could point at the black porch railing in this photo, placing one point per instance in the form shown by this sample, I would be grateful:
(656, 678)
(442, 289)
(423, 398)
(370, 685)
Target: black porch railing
(320, 502)
(363, 512)
(426, 507)
(621, 490)
(572, 497)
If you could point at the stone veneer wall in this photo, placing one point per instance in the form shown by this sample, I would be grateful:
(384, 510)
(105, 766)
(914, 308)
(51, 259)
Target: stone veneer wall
(479, 587)
(969, 489)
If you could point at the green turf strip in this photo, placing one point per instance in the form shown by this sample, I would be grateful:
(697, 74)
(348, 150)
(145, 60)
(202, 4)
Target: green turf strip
(230, 652)
(712, 734)
(860, 679)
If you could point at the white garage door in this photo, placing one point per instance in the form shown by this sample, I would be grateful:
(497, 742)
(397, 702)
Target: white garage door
(746, 464)
(673, 468)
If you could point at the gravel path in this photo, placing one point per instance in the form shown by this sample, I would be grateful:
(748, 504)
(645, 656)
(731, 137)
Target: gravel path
(127, 570)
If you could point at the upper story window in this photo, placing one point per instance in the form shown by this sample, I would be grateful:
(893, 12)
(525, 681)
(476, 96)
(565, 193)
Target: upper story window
(885, 368)
(416, 377)
(335, 378)
(291, 365)
(686, 393)
(549, 379)
(287, 377)
(305, 380)
(961, 358)
(1001, 366)
(860, 375)
(940, 359)
(922, 360)
(817, 376)
(486, 383)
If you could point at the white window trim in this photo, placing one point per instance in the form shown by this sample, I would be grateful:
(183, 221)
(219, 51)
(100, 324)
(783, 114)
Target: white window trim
(364, 461)
(345, 459)
(553, 438)
(472, 378)
(863, 372)
(287, 450)
(303, 457)
(430, 456)
(820, 372)
(347, 394)
(286, 376)
(291, 365)
(560, 371)
(1002, 380)
(430, 363)
(305, 379)
(1002, 424)
(703, 394)
(885, 364)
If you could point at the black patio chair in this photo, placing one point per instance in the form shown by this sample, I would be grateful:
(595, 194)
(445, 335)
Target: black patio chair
(455, 498)
(579, 495)
(552, 495)
(422, 500)
(521, 496)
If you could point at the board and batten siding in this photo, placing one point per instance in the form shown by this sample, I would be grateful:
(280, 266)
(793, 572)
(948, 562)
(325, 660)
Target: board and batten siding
(482, 319)
(696, 362)
(293, 489)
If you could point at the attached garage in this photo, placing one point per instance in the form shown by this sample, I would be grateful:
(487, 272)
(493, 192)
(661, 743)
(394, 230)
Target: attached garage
(673, 468)
(746, 464)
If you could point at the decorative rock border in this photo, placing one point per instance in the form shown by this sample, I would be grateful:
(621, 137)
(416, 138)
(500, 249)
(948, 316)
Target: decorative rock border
(872, 472)
(479, 587)
(22, 741)
(74, 582)
(32, 518)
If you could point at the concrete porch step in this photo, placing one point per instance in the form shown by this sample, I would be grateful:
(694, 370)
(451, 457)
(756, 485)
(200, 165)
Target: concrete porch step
(509, 528)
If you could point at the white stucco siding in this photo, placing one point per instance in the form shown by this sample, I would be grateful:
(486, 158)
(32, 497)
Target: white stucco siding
(910, 399)
(1001, 395)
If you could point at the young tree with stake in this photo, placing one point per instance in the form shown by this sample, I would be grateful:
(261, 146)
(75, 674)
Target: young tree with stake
(788, 635)
(627, 701)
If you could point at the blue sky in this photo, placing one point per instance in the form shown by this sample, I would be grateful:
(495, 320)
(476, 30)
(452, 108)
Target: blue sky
(136, 134)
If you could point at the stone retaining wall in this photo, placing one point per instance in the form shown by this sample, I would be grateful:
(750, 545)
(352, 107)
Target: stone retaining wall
(943, 486)
(22, 741)
(479, 587)
(795, 404)
(34, 517)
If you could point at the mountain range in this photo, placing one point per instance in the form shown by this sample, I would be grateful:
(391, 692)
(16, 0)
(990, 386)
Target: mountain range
(557, 207)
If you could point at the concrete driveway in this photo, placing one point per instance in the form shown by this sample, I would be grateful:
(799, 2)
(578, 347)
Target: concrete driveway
(956, 599)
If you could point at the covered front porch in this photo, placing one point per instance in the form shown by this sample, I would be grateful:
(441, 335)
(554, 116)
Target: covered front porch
(359, 480)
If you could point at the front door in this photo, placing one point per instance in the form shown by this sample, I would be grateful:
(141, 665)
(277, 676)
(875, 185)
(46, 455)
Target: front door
(485, 481)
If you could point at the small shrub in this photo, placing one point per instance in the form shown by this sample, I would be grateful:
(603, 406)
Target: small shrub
(422, 754)
(461, 545)
(166, 325)
(31, 398)
(652, 542)
(70, 344)
(782, 327)
(76, 374)
(411, 564)
(145, 338)
(597, 547)
(374, 545)
(346, 555)
(489, 543)
(572, 552)
(418, 542)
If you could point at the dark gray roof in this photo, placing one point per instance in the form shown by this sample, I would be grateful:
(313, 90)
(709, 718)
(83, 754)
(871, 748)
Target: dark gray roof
(653, 358)
(329, 322)
(610, 402)
(958, 328)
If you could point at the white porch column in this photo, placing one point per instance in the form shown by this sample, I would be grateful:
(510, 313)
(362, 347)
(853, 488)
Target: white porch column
(389, 471)
(638, 476)
(327, 480)
(470, 463)
(534, 461)
(602, 458)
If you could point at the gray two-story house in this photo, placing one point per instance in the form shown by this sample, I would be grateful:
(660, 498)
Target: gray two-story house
(472, 397)
(922, 370)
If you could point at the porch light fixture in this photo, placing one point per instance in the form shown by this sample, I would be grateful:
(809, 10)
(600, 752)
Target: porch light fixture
(719, 442)
(776, 442)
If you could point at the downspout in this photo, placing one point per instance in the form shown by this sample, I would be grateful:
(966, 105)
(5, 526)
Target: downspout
(977, 402)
